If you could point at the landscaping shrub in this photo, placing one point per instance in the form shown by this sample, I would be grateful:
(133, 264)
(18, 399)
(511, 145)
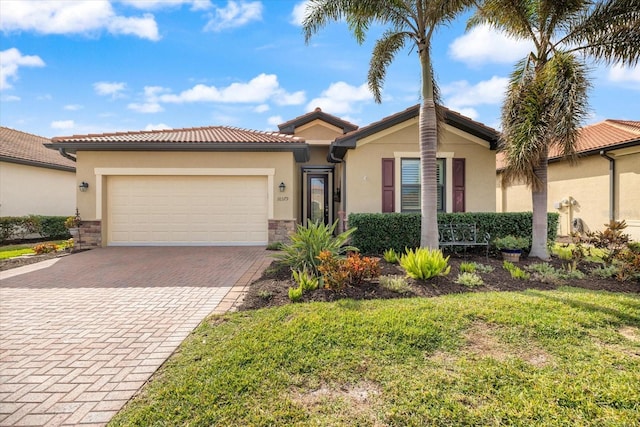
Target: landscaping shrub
(45, 248)
(52, 227)
(469, 279)
(339, 272)
(468, 267)
(391, 256)
(380, 231)
(306, 281)
(395, 283)
(516, 272)
(307, 243)
(424, 263)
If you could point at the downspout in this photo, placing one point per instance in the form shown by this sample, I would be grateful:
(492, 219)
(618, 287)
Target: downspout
(612, 184)
(343, 190)
(64, 153)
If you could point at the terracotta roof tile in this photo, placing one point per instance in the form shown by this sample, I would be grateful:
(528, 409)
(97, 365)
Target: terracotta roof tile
(606, 134)
(26, 147)
(317, 113)
(211, 134)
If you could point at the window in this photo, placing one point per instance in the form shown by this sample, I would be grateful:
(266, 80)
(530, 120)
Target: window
(410, 185)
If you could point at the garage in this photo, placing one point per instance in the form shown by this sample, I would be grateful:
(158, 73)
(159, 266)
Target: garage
(187, 210)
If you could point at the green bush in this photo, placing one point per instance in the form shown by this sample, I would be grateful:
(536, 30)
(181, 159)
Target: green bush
(468, 267)
(306, 281)
(19, 227)
(391, 256)
(295, 294)
(380, 231)
(424, 263)
(53, 228)
(469, 279)
(307, 243)
(516, 272)
(395, 283)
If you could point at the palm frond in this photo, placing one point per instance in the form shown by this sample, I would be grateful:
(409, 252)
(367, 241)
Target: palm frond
(384, 52)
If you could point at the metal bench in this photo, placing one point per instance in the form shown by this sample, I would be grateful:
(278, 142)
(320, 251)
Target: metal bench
(462, 235)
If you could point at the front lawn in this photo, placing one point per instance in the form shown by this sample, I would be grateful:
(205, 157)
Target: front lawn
(563, 357)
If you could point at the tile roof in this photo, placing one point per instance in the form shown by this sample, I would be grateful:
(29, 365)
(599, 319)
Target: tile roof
(317, 114)
(606, 134)
(26, 148)
(210, 134)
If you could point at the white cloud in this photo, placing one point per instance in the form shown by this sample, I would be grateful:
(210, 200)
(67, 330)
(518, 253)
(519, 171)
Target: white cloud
(469, 112)
(159, 126)
(340, 97)
(483, 44)
(275, 120)
(621, 74)
(10, 98)
(234, 15)
(74, 17)
(258, 90)
(10, 60)
(299, 13)
(261, 108)
(147, 107)
(461, 94)
(73, 107)
(162, 4)
(109, 88)
(63, 124)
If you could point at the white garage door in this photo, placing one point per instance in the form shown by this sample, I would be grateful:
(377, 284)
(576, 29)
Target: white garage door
(187, 210)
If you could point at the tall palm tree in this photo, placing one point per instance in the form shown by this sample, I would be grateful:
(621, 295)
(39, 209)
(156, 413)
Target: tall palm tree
(411, 23)
(546, 98)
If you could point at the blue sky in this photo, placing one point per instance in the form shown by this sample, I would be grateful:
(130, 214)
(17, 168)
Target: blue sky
(79, 67)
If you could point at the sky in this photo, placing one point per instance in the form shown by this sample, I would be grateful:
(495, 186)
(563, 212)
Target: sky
(79, 67)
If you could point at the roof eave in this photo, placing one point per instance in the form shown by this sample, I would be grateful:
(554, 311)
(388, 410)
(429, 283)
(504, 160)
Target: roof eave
(37, 164)
(300, 150)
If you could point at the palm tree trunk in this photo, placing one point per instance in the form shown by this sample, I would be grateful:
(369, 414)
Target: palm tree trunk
(539, 199)
(428, 151)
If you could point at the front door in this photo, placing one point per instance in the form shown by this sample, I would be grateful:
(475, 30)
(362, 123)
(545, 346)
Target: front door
(317, 200)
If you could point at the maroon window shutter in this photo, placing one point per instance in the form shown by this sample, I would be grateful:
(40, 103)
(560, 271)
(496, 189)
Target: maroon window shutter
(388, 187)
(458, 185)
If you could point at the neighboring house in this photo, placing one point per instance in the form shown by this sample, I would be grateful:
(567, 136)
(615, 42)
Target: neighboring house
(229, 186)
(604, 184)
(33, 179)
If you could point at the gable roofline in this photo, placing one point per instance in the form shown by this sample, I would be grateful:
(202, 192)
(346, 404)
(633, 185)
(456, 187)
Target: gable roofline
(25, 148)
(341, 144)
(290, 126)
(212, 138)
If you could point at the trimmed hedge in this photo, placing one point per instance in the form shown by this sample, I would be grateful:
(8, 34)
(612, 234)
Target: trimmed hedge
(377, 232)
(18, 227)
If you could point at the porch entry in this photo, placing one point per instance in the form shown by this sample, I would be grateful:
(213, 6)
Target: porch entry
(317, 195)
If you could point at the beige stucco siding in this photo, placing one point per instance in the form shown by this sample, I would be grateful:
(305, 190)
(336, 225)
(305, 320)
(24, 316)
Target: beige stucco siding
(582, 190)
(318, 131)
(26, 190)
(283, 164)
(364, 169)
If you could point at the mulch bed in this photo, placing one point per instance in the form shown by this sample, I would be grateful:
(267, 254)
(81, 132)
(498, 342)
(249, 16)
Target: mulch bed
(273, 287)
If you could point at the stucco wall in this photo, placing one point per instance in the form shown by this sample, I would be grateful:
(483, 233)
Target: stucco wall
(364, 167)
(586, 187)
(26, 190)
(285, 203)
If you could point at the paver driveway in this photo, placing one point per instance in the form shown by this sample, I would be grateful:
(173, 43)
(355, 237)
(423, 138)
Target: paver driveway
(79, 338)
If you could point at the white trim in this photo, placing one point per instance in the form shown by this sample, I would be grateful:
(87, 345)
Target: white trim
(268, 172)
(448, 191)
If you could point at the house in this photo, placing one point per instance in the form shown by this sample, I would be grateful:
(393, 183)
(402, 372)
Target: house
(228, 186)
(33, 179)
(601, 186)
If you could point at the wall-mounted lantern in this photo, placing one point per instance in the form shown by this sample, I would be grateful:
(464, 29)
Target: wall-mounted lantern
(84, 186)
(282, 187)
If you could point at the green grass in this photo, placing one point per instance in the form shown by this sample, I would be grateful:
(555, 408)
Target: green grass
(553, 358)
(12, 251)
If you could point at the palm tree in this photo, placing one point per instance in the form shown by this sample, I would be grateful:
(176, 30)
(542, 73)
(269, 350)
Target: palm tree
(411, 23)
(546, 98)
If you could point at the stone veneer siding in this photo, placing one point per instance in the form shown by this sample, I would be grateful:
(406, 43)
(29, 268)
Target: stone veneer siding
(90, 235)
(281, 229)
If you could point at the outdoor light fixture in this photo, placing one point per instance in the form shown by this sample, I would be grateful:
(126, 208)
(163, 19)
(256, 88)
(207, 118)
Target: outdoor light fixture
(282, 187)
(83, 186)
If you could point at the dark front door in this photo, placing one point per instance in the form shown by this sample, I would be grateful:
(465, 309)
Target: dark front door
(318, 198)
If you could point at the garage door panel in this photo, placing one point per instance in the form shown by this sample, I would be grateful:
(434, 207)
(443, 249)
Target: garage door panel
(182, 210)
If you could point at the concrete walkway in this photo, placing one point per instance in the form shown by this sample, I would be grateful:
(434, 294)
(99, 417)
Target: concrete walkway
(80, 337)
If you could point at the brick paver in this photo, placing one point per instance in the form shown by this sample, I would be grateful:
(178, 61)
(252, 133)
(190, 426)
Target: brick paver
(80, 337)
